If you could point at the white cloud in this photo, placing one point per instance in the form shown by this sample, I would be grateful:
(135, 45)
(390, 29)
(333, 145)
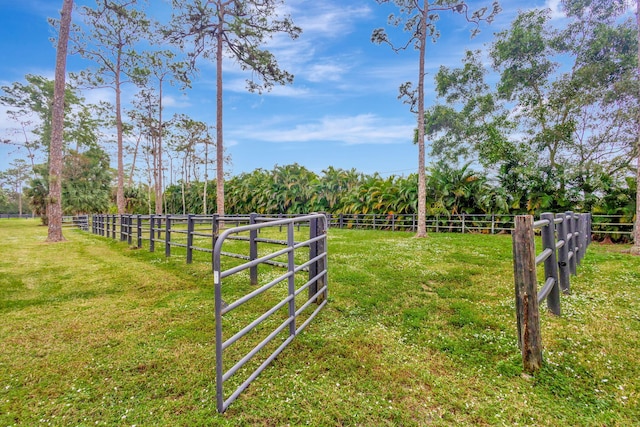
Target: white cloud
(329, 19)
(556, 11)
(325, 72)
(95, 96)
(171, 101)
(350, 130)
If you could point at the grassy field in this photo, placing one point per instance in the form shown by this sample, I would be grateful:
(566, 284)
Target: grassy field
(417, 332)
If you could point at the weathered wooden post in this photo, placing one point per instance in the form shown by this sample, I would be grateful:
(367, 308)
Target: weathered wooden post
(253, 250)
(551, 263)
(563, 255)
(524, 266)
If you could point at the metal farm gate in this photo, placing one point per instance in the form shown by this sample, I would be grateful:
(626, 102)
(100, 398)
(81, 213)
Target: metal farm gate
(272, 290)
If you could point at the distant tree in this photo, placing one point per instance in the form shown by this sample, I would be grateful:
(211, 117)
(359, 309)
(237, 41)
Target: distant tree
(31, 106)
(15, 177)
(570, 86)
(472, 124)
(109, 38)
(86, 184)
(216, 29)
(419, 18)
(161, 67)
(54, 201)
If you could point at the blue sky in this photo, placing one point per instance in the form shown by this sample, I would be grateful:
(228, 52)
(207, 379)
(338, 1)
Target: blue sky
(341, 111)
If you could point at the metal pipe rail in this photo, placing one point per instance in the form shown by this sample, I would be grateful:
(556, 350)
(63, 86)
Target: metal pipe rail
(565, 238)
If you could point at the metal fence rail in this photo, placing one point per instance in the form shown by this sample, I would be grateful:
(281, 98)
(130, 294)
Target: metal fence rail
(565, 238)
(291, 304)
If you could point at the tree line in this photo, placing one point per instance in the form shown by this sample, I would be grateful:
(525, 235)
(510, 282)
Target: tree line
(549, 110)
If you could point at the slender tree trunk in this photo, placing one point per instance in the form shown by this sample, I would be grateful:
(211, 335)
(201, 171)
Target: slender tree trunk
(219, 140)
(54, 201)
(120, 189)
(133, 163)
(422, 180)
(20, 201)
(159, 181)
(206, 177)
(636, 234)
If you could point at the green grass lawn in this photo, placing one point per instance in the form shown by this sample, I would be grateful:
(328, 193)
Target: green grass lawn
(417, 332)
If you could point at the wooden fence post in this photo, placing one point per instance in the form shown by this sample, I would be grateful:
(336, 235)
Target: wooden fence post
(551, 263)
(563, 255)
(524, 265)
(572, 242)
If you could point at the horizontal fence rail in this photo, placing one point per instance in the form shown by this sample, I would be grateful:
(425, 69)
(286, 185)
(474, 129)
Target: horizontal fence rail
(565, 238)
(79, 221)
(286, 309)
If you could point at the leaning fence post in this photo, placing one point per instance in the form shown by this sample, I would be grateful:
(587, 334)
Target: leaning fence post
(563, 255)
(524, 266)
(190, 230)
(253, 250)
(551, 263)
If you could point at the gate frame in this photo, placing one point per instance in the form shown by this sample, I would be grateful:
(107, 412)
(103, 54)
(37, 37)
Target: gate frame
(316, 285)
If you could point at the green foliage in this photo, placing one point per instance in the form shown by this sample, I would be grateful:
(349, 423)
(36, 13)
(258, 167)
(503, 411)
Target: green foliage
(86, 184)
(35, 98)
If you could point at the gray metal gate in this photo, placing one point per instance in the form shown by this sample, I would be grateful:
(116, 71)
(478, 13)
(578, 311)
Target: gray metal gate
(277, 295)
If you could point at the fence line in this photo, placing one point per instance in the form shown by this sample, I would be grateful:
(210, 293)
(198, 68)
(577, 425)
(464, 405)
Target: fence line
(80, 221)
(602, 225)
(565, 238)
